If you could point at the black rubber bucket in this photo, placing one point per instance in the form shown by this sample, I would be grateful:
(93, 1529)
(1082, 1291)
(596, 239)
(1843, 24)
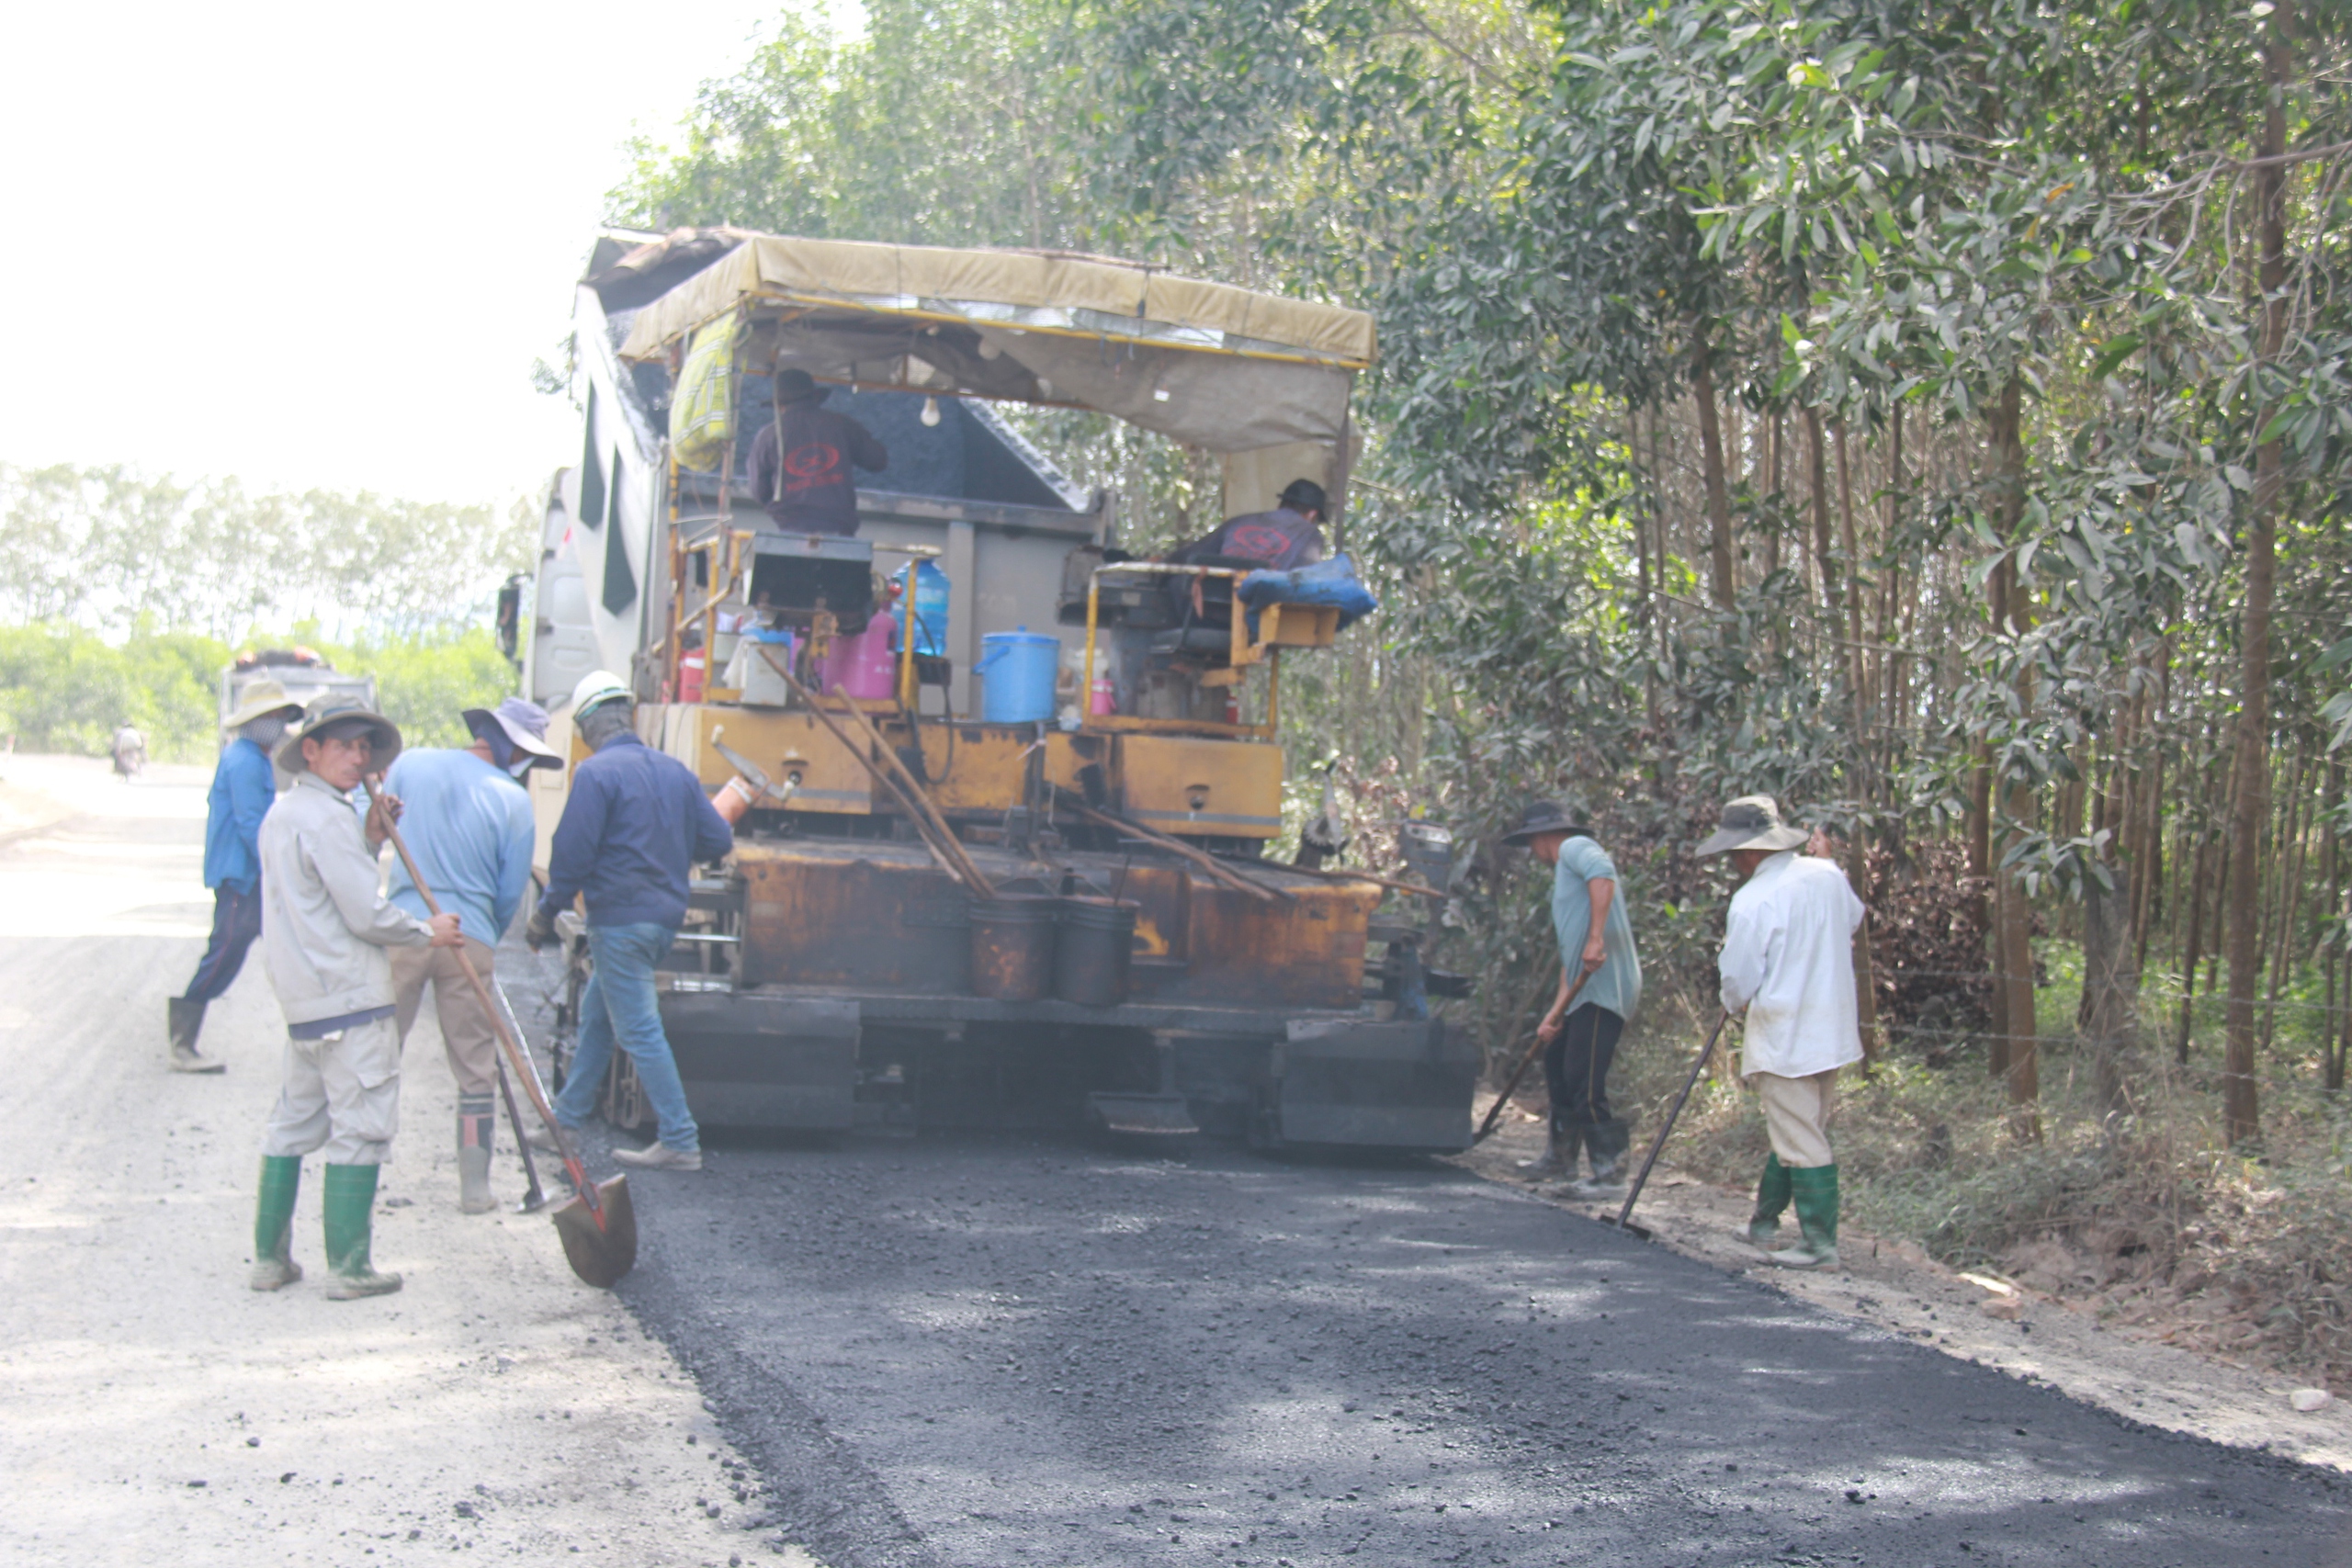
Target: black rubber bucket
(1013, 947)
(1090, 960)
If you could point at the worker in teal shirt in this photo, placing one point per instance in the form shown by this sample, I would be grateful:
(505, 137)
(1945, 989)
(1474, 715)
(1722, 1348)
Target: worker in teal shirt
(1601, 974)
(243, 785)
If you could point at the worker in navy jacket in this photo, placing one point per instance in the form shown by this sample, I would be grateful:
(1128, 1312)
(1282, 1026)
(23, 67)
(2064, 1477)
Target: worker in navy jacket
(636, 822)
(243, 785)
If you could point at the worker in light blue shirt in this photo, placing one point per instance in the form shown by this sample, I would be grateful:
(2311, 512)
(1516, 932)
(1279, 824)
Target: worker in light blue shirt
(468, 821)
(1601, 979)
(243, 785)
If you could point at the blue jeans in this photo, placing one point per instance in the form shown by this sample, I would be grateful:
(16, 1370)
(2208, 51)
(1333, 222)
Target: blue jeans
(619, 1003)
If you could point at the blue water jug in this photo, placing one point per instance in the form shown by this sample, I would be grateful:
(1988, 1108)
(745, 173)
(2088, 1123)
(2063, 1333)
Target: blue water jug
(1020, 668)
(930, 601)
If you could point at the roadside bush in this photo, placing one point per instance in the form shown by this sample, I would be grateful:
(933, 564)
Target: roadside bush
(63, 688)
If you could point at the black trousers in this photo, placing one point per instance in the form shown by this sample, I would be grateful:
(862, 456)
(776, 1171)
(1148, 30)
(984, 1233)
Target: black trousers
(236, 922)
(1576, 1066)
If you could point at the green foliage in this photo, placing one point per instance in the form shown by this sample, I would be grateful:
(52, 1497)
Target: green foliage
(64, 689)
(108, 546)
(936, 126)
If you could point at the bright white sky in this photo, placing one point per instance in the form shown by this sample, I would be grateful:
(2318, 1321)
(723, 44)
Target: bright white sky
(312, 244)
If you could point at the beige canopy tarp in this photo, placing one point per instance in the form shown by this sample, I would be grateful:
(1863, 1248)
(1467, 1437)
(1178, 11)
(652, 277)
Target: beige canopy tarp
(1215, 367)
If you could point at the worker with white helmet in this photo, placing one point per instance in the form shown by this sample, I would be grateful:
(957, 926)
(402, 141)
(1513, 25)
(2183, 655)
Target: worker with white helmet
(636, 822)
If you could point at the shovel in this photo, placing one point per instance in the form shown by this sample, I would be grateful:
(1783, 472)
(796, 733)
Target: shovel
(1624, 1219)
(598, 1227)
(1535, 1049)
(535, 1198)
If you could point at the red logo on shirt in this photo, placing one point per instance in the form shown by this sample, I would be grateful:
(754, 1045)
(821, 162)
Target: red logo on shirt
(809, 467)
(1256, 541)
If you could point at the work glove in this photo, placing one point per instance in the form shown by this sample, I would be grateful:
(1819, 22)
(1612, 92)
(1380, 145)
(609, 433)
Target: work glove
(538, 931)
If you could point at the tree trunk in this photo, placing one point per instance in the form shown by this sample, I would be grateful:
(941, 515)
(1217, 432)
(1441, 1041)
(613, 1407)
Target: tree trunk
(2013, 912)
(2188, 963)
(2240, 1109)
(1711, 445)
(2110, 988)
(1818, 477)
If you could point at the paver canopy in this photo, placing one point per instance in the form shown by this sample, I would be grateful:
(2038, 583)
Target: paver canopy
(1224, 368)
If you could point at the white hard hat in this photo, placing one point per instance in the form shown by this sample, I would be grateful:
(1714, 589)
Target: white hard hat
(596, 688)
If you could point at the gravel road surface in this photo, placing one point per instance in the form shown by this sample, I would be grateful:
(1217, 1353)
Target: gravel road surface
(995, 1351)
(152, 1409)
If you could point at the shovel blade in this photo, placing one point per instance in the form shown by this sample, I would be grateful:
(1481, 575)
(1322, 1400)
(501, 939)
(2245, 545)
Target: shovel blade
(600, 1256)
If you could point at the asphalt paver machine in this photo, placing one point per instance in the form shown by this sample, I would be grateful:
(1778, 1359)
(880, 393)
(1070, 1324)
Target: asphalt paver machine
(1099, 939)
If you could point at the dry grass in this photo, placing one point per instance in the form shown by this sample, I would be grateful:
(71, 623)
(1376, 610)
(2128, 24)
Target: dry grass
(2147, 1219)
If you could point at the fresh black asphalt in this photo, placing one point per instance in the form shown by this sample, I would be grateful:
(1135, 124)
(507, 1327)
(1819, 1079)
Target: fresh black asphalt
(987, 1351)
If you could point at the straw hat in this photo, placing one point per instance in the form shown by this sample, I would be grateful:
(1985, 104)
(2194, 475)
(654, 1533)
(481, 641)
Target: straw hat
(258, 700)
(1751, 822)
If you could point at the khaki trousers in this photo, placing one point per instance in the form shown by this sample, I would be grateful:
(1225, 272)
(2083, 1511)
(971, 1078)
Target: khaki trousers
(1797, 1114)
(467, 1032)
(343, 1095)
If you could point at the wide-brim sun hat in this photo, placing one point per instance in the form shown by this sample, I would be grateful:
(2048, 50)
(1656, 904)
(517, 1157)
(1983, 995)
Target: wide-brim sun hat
(1751, 822)
(259, 699)
(337, 708)
(1546, 817)
(522, 722)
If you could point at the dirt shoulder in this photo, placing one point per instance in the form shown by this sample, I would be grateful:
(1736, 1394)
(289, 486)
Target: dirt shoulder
(161, 1412)
(1894, 1285)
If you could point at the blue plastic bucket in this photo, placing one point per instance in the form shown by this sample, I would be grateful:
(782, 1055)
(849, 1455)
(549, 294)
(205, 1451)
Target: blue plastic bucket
(930, 607)
(1018, 669)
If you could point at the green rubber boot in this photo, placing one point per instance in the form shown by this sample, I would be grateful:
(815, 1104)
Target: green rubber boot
(273, 1265)
(350, 1216)
(1816, 1200)
(1772, 1192)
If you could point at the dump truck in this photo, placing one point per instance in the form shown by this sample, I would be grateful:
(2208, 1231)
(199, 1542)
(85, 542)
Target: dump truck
(1009, 789)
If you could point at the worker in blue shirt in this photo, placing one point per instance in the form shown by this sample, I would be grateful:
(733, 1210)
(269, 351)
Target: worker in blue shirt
(634, 825)
(1596, 936)
(243, 784)
(468, 821)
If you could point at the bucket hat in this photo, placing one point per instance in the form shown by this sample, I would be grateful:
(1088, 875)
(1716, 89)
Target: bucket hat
(524, 724)
(1751, 822)
(258, 700)
(1547, 817)
(338, 708)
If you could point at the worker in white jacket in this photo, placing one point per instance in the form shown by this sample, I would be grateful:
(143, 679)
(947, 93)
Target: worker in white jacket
(1788, 962)
(325, 929)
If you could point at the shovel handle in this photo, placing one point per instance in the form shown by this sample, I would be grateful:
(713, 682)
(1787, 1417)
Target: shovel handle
(571, 1162)
(1667, 1126)
(1534, 1048)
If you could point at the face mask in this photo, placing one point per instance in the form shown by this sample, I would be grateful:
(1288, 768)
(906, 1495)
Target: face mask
(521, 766)
(265, 732)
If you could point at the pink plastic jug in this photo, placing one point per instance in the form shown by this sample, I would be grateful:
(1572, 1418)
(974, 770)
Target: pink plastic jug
(864, 664)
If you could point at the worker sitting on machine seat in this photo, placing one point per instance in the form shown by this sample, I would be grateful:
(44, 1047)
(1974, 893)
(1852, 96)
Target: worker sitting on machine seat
(1289, 536)
(810, 491)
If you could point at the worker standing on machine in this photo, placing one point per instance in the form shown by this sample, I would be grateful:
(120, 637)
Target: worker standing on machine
(243, 788)
(808, 489)
(1788, 961)
(325, 929)
(1596, 935)
(636, 822)
(1289, 536)
(468, 825)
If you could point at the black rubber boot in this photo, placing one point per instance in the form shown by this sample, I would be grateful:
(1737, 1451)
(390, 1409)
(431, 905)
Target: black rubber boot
(1773, 1190)
(1606, 1143)
(1559, 1155)
(184, 1019)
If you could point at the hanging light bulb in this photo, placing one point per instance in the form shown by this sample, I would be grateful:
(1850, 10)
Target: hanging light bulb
(931, 411)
